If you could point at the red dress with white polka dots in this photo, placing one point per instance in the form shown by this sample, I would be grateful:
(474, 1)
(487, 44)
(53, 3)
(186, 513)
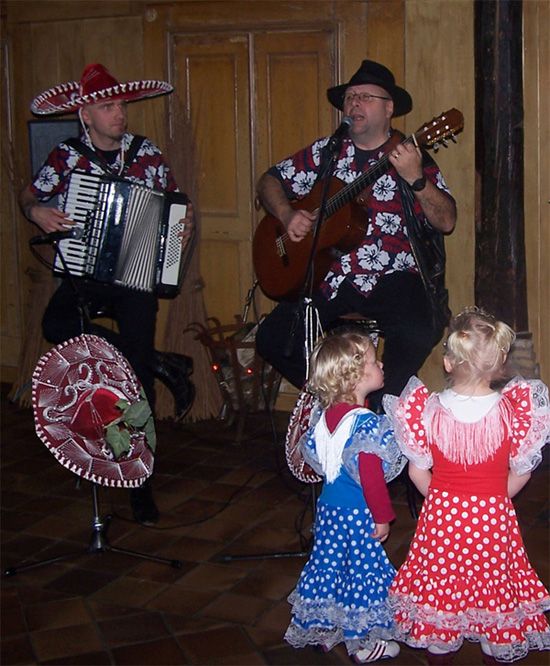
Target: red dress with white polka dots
(467, 575)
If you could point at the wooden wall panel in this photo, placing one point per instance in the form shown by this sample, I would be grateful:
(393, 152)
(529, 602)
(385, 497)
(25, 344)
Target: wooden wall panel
(292, 73)
(212, 79)
(211, 75)
(439, 72)
(38, 11)
(537, 175)
(10, 320)
(386, 40)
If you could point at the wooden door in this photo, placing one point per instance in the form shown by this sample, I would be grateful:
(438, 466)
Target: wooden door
(252, 97)
(211, 78)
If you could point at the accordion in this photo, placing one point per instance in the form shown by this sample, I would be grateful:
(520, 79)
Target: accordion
(125, 234)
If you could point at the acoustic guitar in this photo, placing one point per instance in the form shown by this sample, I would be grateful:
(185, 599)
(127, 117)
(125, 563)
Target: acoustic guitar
(281, 264)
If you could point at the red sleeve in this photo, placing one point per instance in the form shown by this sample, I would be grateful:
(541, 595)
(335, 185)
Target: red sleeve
(374, 488)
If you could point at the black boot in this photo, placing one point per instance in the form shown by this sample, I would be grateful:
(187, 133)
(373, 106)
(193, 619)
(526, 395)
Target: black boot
(180, 362)
(143, 505)
(173, 370)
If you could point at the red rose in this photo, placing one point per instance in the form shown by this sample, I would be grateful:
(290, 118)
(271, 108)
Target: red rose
(95, 409)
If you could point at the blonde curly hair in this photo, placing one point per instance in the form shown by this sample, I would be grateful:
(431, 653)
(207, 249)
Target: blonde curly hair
(337, 364)
(477, 347)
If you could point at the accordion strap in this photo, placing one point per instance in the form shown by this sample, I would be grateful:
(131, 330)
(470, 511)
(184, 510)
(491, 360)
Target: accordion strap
(92, 156)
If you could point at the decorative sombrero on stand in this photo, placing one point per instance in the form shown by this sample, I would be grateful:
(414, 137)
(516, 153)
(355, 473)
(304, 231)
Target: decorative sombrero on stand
(298, 425)
(91, 413)
(96, 85)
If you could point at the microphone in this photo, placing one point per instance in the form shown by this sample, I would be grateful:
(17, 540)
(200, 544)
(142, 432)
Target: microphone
(335, 140)
(343, 129)
(47, 239)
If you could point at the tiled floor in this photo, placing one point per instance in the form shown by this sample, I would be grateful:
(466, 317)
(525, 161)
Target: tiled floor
(217, 497)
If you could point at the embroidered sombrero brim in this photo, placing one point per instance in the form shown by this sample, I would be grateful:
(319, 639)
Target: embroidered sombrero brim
(61, 381)
(67, 98)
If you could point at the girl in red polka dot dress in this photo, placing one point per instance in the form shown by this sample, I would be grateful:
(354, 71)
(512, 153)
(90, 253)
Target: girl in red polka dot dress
(471, 448)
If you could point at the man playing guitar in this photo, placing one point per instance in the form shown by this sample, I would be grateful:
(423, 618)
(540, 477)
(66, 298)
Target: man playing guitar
(392, 276)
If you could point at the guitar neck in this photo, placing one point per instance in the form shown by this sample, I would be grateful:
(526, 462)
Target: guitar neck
(355, 188)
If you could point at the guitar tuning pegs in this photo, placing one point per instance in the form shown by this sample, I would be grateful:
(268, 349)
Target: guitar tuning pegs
(445, 143)
(453, 138)
(436, 147)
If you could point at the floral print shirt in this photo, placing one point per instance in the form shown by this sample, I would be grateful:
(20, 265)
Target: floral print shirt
(386, 248)
(148, 168)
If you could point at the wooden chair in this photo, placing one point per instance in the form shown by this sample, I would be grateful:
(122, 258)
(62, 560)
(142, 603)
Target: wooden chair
(246, 382)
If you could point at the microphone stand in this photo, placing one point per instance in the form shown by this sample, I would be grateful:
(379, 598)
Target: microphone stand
(328, 155)
(83, 313)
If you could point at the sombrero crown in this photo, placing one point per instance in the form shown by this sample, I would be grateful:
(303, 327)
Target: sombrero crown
(90, 412)
(378, 75)
(96, 85)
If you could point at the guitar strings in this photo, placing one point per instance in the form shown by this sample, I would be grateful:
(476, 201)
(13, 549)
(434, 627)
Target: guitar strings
(335, 202)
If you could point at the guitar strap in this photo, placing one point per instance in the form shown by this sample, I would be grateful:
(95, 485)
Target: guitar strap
(428, 248)
(427, 245)
(93, 157)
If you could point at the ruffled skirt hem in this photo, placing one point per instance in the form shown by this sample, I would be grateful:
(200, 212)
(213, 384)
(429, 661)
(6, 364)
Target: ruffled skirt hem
(327, 623)
(510, 636)
(329, 638)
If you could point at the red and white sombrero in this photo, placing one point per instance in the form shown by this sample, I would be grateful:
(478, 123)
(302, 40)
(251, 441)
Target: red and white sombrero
(299, 423)
(96, 85)
(75, 390)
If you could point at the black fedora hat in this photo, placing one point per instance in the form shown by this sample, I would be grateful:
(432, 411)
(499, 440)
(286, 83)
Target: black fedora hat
(373, 72)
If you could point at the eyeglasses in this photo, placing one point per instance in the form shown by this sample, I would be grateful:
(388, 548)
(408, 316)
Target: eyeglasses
(364, 97)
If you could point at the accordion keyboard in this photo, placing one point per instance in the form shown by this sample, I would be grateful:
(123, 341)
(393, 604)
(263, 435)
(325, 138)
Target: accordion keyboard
(130, 233)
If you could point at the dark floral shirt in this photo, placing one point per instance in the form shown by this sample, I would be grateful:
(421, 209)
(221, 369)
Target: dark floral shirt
(386, 248)
(148, 168)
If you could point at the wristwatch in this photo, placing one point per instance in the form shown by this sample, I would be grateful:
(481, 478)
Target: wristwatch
(419, 184)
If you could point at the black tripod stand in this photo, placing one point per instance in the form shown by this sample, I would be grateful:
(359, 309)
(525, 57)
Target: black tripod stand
(276, 556)
(328, 156)
(98, 544)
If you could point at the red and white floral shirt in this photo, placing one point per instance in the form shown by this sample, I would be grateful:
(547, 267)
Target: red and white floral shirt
(385, 248)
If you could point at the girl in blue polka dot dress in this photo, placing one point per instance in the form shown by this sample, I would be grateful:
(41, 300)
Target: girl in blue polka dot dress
(341, 596)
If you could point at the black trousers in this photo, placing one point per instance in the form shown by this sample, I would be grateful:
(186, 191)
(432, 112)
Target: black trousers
(398, 303)
(135, 313)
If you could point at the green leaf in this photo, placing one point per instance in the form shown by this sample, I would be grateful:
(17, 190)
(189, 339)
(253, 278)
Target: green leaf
(137, 414)
(150, 434)
(118, 440)
(122, 404)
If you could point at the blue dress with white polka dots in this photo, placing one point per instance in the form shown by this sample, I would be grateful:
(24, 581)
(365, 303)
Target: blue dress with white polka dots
(341, 595)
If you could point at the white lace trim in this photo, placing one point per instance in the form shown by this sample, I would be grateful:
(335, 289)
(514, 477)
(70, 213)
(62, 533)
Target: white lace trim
(463, 623)
(504, 653)
(412, 442)
(523, 412)
(330, 638)
(379, 440)
(364, 626)
(531, 424)
(375, 437)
